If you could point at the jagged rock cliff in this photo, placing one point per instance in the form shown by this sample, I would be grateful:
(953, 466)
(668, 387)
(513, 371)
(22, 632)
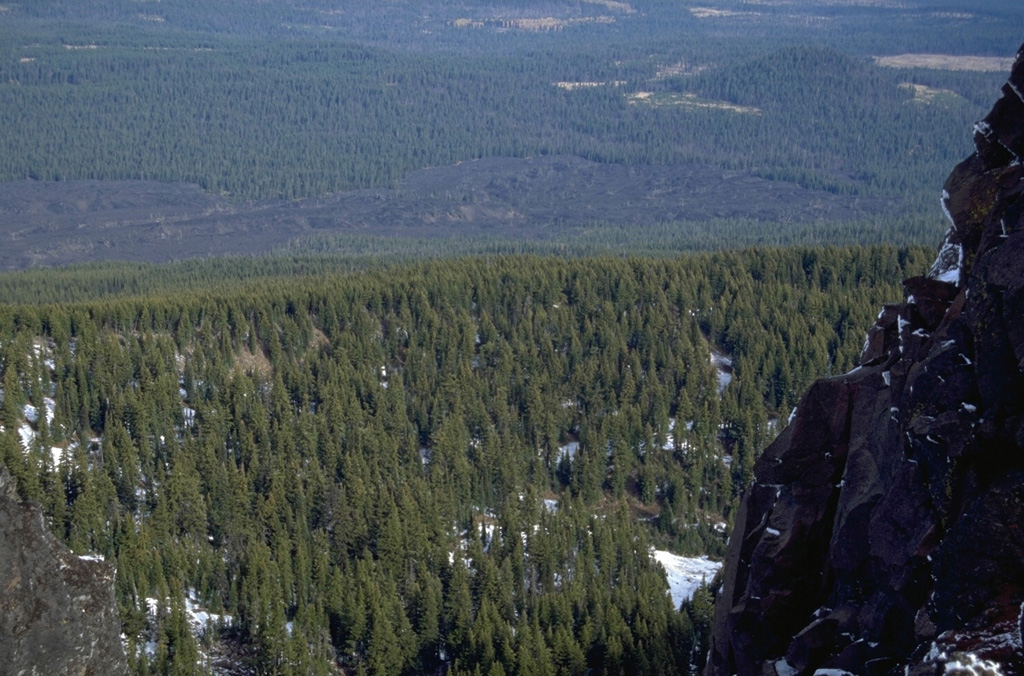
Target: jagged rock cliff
(884, 531)
(57, 610)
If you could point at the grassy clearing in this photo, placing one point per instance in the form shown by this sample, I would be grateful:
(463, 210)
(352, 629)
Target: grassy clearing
(623, 7)
(548, 23)
(689, 101)
(712, 13)
(570, 86)
(931, 95)
(679, 68)
(991, 64)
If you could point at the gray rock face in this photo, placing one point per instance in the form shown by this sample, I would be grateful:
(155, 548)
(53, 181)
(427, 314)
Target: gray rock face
(57, 611)
(884, 532)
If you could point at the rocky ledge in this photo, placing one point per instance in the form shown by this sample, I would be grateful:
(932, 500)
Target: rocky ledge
(57, 610)
(884, 531)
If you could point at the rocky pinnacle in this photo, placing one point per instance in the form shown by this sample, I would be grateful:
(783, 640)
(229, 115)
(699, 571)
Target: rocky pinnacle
(884, 530)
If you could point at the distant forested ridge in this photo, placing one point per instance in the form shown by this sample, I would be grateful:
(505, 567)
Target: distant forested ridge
(260, 108)
(355, 466)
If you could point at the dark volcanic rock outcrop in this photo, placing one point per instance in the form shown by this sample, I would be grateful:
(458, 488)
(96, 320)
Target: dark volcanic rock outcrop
(57, 611)
(884, 532)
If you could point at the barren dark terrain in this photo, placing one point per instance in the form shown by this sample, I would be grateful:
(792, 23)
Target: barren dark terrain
(57, 223)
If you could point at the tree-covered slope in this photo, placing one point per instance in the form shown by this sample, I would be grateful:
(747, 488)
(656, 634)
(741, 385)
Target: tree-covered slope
(254, 114)
(354, 467)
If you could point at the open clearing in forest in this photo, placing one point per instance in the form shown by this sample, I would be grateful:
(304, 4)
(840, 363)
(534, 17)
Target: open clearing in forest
(712, 13)
(929, 95)
(570, 86)
(991, 64)
(679, 68)
(623, 7)
(689, 101)
(546, 23)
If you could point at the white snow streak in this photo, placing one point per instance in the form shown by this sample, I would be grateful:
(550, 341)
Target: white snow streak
(784, 668)
(568, 451)
(685, 574)
(723, 367)
(199, 619)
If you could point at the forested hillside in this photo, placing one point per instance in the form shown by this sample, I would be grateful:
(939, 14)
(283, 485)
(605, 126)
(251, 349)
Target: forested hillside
(502, 344)
(288, 101)
(457, 464)
(298, 119)
(163, 131)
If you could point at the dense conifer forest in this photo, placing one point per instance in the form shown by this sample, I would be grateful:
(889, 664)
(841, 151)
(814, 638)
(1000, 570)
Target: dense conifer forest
(302, 119)
(289, 100)
(457, 464)
(452, 452)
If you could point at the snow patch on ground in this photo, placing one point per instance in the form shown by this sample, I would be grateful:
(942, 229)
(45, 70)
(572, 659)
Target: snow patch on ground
(949, 262)
(488, 531)
(685, 574)
(27, 435)
(968, 663)
(1020, 626)
(723, 368)
(784, 668)
(152, 610)
(199, 619)
(950, 276)
(568, 451)
(670, 440)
